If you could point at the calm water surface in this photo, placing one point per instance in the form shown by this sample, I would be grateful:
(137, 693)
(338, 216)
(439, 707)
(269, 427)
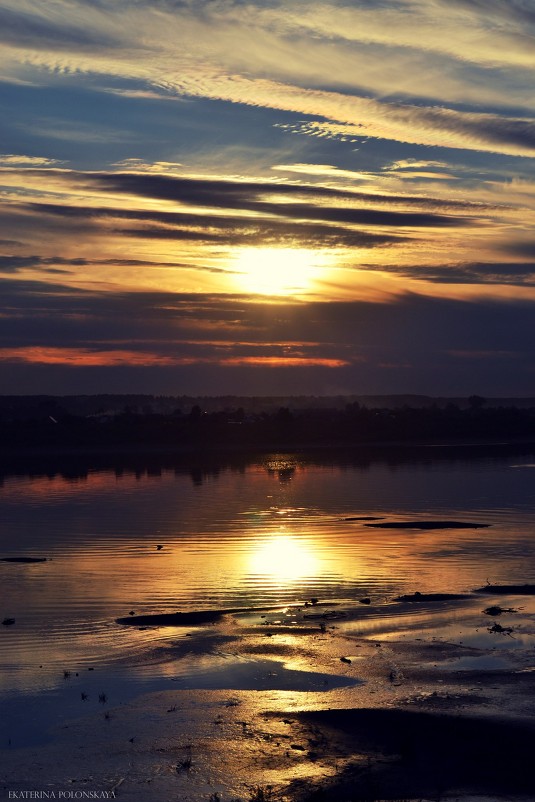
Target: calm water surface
(266, 531)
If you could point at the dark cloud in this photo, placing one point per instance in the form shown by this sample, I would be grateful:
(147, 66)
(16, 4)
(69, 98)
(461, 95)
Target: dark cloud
(11, 264)
(508, 131)
(220, 193)
(410, 345)
(302, 211)
(14, 263)
(526, 248)
(509, 272)
(490, 129)
(250, 196)
(354, 216)
(275, 221)
(228, 230)
(515, 273)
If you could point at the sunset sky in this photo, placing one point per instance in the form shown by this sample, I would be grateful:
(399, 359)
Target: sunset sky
(229, 196)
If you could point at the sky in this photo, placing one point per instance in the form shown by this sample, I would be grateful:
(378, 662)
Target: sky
(212, 197)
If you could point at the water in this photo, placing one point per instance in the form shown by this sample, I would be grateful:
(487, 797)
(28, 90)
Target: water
(247, 532)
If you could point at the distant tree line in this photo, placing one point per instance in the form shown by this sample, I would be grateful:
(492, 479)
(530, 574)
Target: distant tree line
(51, 425)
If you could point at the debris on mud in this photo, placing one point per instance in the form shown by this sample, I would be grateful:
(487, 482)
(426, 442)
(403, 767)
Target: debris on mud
(495, 610)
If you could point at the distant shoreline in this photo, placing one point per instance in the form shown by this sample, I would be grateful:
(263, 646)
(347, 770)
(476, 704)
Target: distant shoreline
(170, 453)
(51, 427)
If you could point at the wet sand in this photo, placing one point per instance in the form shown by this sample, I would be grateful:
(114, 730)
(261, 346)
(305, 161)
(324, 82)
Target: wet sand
(388, 701)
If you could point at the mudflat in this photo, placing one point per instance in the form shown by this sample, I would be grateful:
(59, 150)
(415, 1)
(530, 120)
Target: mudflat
(385, 701)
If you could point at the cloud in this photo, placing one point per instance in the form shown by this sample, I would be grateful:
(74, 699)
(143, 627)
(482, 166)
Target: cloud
(464, 29)
(433, 126)
(520, 11)
(144, 316)
(10, 159)
(297, 236)
(87, 358)
(232, 230)
(282, 362)
(264, 219)
(37, 28)
(221, 343)
(14, 263)
(139, 166)
(324, 171)
(390, 137)
(522, 247)
(140, 94)
(414, 164)
(84, 357)
(251, 196)
(213, 212)
(213, 190)
(412, 72)
(78, 131)
(473, 273)
(100, 217)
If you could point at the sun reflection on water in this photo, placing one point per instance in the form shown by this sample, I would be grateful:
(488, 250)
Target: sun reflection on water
(285, 559)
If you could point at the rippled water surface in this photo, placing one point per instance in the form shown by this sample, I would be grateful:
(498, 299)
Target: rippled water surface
(254, 532)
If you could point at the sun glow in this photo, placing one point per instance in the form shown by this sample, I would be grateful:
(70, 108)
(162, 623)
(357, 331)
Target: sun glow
(278, 271)
(284, 559)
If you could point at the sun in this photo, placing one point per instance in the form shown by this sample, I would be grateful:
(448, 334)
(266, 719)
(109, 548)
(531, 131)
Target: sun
(278, 271)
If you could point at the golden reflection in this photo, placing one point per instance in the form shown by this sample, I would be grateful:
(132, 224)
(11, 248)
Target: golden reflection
(278, 271)
(285, 559)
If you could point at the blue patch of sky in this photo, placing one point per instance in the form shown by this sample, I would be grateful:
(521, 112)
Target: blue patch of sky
(113, 127)
(373, 154)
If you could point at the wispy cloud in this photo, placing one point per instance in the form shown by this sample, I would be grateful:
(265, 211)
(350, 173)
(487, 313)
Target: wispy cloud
(99, 214)
(12, 160)
(324, 171)
(283, 362)
(84, 357)
(40, 26)
(278, 58)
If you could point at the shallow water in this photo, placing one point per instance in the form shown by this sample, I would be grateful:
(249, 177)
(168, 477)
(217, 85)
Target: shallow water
(264, 531)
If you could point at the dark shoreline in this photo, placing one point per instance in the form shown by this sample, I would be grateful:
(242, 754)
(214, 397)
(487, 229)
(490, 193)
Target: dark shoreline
(526, 444)
(76, 461)
(422, 753)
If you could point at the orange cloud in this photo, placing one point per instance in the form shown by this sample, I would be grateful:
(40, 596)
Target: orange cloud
(84, 357)
(284, 362)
